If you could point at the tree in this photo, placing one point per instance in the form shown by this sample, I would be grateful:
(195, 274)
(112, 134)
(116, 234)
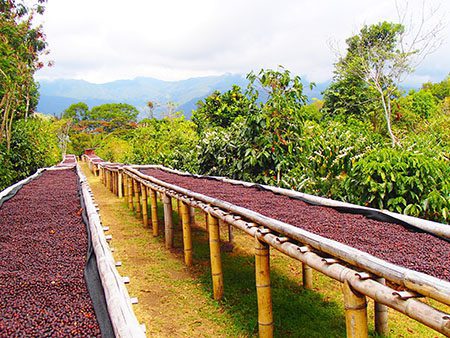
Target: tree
(77, 112)
(21, 44)
(380, 57)
(221, 109)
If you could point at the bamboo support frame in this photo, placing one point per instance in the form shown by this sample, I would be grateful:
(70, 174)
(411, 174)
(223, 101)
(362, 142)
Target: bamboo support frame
(355, 312)
(216, 261)
(264, 294)
(371, 287)
(187, 234)
(168, 221)
(154, 212)
(144, 205)
(424, 284)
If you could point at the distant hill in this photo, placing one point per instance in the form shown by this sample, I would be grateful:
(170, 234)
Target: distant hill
(57, 95)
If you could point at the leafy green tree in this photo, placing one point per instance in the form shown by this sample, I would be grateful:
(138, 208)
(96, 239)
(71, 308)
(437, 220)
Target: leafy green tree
(220, 110)
(77, 112)
(378, 59)
(21, 44)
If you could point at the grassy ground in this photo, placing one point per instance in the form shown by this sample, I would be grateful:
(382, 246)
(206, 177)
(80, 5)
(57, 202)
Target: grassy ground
(177, 301)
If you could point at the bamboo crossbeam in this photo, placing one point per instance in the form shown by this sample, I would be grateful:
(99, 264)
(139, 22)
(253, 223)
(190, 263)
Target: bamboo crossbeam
(427, 285)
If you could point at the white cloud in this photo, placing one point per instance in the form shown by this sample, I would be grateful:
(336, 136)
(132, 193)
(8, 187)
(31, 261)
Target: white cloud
(105, 40)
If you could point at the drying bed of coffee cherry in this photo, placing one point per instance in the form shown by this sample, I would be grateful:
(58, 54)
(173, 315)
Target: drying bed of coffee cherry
(43, 245)
(394, 243)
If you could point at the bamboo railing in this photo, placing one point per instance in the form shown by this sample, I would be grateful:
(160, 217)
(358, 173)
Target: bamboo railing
(361, 274)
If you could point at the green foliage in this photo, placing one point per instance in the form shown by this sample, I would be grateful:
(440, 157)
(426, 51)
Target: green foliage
(77, 111)
(439, 90)
(33, 146)
(21, 44)
(328, 154)
(170, 141)
(402, 181)
(220, 110)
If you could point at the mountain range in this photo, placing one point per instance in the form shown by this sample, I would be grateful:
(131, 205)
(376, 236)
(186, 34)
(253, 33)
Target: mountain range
(57, 95)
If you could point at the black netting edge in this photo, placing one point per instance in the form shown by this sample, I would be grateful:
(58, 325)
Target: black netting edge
(371, 214)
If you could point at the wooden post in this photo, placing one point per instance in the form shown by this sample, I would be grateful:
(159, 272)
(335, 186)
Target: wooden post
(125, 186)
(192, 215)
(180, 222)
(154, 211)
(136, 196)
(355, 312)
(120, 191)
(130, 193)
(381, 315)
(307, 272)
(216, 262)
(144, 205)
(230, 234)
(168, 220)
(263, 292)
(187, 236)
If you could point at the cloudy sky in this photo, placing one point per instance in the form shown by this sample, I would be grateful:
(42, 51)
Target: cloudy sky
(105, 40)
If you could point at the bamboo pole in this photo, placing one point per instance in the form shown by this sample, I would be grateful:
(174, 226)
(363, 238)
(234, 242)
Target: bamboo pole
(355, 312)
(154, 212)
(187, 235)
(144, 205)
(264, 295)
(136, 196)
(381, 315)
(125, 186)
(180, 222)
(168, 220)
(130, 193)
(192, 215)
(120, 179)
(216, 261)
(307, 273)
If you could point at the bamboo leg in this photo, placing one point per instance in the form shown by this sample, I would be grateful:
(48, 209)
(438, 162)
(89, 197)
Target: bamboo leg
(216, 262)
(206, 221)
(136, 196)
(120, 179)
(125, 187)
(381, 315)
(130, 193)
(307, 276)
(230, 234)
(192, 215)
(168, 221)
(264, 295)
(187, 236)
(180, 222)
(144, 205)
(355, 312)
(154, 211)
